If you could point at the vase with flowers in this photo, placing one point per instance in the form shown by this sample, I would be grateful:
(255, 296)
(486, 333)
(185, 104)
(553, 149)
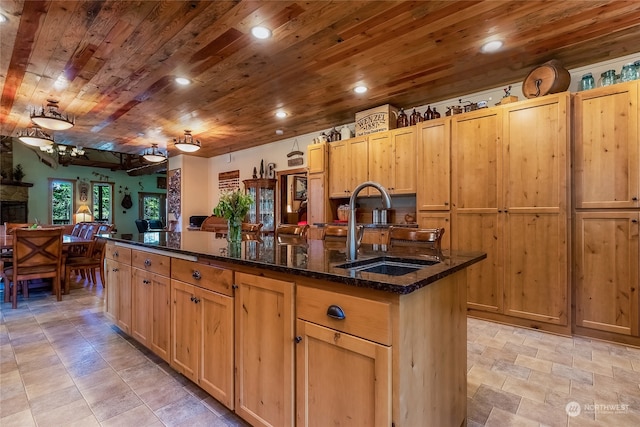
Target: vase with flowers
(233, 206)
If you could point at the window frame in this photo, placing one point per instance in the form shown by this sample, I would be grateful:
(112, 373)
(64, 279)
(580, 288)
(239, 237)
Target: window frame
(110, 220)
(74, 205)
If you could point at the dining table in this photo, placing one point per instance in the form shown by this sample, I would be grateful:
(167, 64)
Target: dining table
(6, 241)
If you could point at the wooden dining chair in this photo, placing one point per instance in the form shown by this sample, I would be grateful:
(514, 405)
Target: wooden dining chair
(415, 236)
(37, 254)
(88, 263)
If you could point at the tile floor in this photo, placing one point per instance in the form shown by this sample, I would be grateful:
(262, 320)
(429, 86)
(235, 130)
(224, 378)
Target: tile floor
(64, 364)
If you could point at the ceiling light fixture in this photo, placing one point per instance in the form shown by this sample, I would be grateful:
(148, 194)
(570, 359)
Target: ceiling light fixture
(281, 114)
(50, 117)
(360, 89)
(3, 18)
(188, 144)
(491, 46)
(35, 137)
(260, 32)
(183, 81)
(154, 155)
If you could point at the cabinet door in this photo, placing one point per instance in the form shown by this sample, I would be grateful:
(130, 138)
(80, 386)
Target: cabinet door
(184, 330)
(215, 313)
(160, 316)
(316, 158)
(477, 194)
(606, 147)
(341, 379)
(434, 165)
(536, 167)
(339, 175)
(403, 163)
(264, 350)
(358, 166)
(606, 271)
(316, 198)
(142, 303)
(119, 294)
(437, 220)
(381, 160)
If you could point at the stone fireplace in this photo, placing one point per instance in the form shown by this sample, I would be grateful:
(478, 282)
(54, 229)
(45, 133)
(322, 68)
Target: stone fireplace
(14, 195)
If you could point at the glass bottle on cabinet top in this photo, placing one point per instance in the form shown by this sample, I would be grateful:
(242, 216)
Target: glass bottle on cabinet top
(262, 211)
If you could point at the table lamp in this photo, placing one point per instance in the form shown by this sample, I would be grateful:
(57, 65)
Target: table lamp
(83, 214)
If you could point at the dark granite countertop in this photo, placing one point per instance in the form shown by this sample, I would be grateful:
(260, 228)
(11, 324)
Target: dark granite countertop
(366, 224)
(314, 258)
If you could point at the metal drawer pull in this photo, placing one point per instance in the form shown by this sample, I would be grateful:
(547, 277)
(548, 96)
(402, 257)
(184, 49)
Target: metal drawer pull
(147, 262)
(335, 312)
(196, 275)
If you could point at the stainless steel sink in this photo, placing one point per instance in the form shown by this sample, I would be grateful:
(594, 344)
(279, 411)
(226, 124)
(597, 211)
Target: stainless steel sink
(390, 266)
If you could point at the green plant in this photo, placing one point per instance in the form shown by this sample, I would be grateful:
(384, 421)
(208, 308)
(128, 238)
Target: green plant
(233, 205)
(18, 173)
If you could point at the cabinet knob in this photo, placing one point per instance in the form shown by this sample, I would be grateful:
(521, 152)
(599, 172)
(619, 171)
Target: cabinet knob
(635, 221)
(146, 282)
(196, 300)
(114, 269)
(335, 312)
(193, 299)
(446, 203)
(298, 339)
(147, 262)
(196, 275)
(116, 254)
(635, 199)
(234, 286)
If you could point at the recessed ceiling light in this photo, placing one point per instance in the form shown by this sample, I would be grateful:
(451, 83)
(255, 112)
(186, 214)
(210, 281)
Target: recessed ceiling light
(261, 32)
(360, 89)
(182, 81)
(281, 114)
(3, 18)
(491, 46)
(279, 132)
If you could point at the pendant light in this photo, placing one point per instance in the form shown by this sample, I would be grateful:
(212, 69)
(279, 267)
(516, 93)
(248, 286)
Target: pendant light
(154, 155)
(35, 137)
(188, 144)
(50, 117)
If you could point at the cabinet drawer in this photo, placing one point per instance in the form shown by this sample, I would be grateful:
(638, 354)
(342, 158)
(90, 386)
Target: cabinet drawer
(159, 264)
(362, 317)
(118, 253)
(205, 276)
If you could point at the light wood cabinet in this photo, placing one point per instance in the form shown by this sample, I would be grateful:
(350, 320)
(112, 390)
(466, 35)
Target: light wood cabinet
(434, 219)
(347, 166)
(202, 330)
(607, 152)
(150, 295)
(318, 206)
(342, 379)
(118, 280)
(606, 271)
(316, 158)
(262, 209)
(510, 172)
(392, 160)
(434, 165)
(375, 236)
(264, 350)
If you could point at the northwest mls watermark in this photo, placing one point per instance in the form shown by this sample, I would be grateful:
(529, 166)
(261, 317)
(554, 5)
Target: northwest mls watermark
(574, 409)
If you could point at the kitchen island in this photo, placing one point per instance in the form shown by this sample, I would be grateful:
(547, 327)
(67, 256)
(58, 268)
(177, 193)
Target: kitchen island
(287, 334)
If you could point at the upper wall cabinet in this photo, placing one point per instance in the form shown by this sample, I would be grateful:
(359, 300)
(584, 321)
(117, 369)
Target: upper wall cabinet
(433, 163)
(392, 160)
(347, 166)
(317, 158)
(606, 147)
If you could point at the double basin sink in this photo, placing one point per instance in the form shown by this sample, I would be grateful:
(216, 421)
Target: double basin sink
(390, 266)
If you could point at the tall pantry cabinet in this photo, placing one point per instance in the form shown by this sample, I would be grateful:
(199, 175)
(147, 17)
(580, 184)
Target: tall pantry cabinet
(607, 184)
(510, 170)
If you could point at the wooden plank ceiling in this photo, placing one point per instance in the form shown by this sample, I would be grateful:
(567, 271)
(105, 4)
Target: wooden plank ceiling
(112, 63)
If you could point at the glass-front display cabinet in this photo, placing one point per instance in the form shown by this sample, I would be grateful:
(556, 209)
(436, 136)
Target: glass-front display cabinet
(262, 211)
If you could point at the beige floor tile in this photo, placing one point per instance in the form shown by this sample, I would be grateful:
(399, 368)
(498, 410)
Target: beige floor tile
(140, 416)
(610, 359)
(551, 383)
(13, 405)
(478, 375)
(525, 388)
(597, 367)
(500, 418)
(103, 376)
(541, 413)
(46, 380)
(19, 419)
(534, 363)
(555, 357)
(64, 414)
(50, 401)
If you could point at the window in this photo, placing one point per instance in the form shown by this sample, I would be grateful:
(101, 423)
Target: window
(102, 201)
(61, 194)
(153, 206)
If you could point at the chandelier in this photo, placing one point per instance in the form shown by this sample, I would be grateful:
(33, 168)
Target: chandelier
(35, 137)
(62, 150)
(154, 155)
(50, 118)
(188, 144)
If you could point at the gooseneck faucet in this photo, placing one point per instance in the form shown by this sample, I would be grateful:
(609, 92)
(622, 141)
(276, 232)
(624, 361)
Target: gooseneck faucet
(352, 241)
